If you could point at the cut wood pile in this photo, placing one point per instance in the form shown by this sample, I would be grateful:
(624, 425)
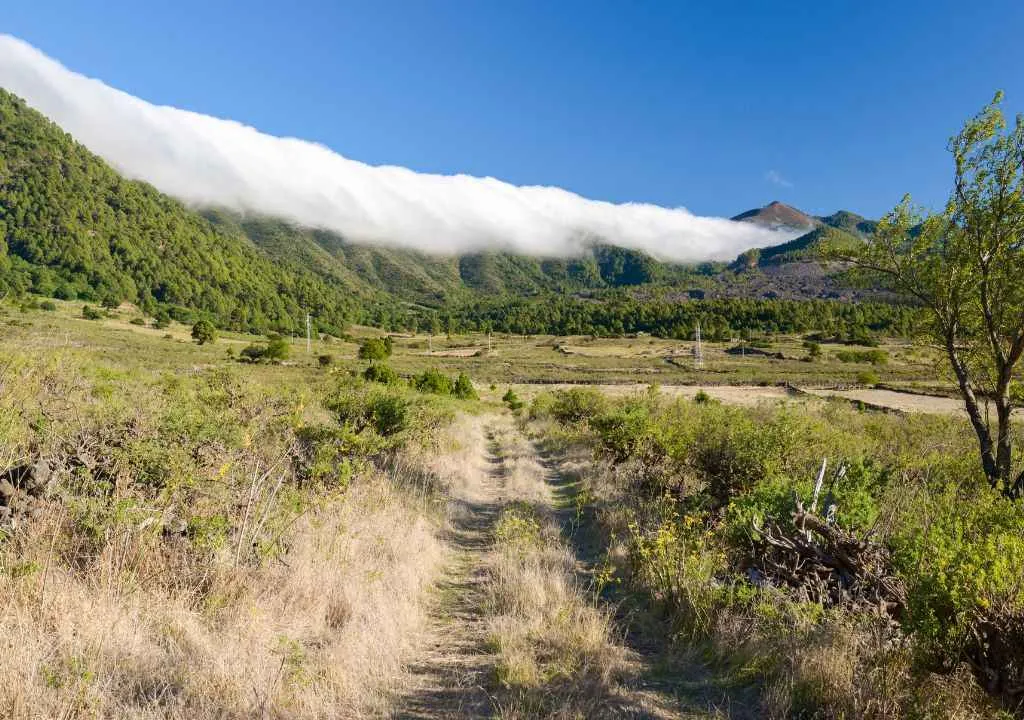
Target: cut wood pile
(818, 561)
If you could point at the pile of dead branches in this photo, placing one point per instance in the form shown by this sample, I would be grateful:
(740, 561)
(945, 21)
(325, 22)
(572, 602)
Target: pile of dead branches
(996, 654)
(818, 561)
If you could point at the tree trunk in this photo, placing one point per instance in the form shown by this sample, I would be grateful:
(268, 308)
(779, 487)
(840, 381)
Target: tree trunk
(988, 458)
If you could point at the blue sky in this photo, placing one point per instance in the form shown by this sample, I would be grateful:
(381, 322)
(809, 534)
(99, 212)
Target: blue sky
(713, 106)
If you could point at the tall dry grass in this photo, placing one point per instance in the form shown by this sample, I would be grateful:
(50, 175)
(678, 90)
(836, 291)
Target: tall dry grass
(557, 655)
(135, 632)
(185, 565)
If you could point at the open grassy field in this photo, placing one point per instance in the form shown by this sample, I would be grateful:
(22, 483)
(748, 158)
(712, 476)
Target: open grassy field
(187, 534)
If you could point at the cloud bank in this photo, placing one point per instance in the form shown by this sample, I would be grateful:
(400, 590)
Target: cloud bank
(210, 161)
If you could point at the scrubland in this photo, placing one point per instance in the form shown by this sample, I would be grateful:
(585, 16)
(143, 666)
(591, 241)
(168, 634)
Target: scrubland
(183, 534)
(689, 494)
(209, 540)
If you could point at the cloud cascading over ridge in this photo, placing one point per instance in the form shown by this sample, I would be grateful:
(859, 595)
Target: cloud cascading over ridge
(210, 161)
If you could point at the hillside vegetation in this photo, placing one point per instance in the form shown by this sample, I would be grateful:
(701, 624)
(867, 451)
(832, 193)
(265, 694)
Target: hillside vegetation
(71, 227)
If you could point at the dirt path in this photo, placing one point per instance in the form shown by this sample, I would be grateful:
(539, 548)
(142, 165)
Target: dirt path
(449, 679)
(453, 671)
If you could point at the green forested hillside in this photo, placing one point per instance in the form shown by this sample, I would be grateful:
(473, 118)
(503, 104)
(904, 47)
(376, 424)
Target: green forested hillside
(72, 227)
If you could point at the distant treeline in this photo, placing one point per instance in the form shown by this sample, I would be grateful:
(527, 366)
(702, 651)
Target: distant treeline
(619, 314)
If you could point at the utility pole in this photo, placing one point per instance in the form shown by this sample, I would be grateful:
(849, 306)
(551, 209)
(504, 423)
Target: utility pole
(307, 334)
(698, 352)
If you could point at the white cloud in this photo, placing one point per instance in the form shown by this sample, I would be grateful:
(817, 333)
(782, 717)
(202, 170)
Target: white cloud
(210, 161)
(776, 178)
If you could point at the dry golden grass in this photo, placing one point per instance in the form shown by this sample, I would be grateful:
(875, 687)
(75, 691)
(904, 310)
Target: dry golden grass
(557, 654)
(186, 564)
(324, 635)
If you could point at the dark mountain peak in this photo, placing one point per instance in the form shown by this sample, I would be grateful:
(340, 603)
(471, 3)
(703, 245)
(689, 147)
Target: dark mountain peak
(850, 222)
(778, 215)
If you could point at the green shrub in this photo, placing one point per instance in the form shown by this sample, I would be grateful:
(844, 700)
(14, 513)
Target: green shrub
(274, 350)
(677, 562)
(253, 352)
(868, 377)
(577, 404)
(961, 550)
(381, 410)
(463, 388)
(512, 400)
(48, 305)
(141, 322)
(702, 398)
(91, 313)
(204, 332)
(378, 372)
(375, 348)
(389, 414)
(875, 357)
(433, 381)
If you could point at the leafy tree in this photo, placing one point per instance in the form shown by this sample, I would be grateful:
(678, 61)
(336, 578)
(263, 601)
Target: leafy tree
(375, 349)
(277, 348)
(964, 265)
(204, 332)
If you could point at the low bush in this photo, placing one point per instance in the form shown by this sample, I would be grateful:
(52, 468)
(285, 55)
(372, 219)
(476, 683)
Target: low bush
(433, 381)
(868, 377)
(577, 404)
(380, 373)
(274, 350)
(91, 313)
(875, 357)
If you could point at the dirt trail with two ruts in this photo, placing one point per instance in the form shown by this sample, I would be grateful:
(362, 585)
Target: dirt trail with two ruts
(452, 675)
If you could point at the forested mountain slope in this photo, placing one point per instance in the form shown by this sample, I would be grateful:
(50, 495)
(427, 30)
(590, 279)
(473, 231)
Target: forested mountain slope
(72, 227)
